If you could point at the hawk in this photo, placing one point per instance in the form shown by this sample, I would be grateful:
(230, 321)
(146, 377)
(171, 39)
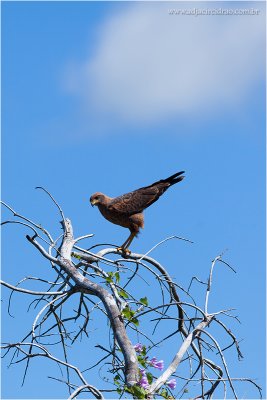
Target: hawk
(127, 210)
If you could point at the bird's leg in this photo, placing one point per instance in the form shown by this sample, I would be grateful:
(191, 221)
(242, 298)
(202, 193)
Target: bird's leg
(124, 246)
(127, 243)
(130, 239)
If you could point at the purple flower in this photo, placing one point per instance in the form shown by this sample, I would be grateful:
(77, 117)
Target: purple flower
(143, 381)
(171, 383)
(138, 347)
(157, 364)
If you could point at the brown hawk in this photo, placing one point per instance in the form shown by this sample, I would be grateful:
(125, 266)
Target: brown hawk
(127, 210)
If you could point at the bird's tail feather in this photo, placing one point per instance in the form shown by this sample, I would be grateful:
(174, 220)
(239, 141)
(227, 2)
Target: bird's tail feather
(175, 178)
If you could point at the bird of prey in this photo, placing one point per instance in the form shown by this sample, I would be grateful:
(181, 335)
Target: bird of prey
(127, 210)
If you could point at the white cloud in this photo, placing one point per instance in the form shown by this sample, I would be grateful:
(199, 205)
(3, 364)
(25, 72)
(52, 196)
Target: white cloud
(149, 66)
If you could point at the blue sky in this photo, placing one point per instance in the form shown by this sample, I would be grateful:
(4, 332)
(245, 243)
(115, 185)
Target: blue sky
(111, 96)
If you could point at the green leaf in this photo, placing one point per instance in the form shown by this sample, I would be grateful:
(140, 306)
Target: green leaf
(128, 389)
(141, 361)
(129, 314)
(143, 352)
(149, 377)
(76, 256)
(126, 312)
(123, 294)
(139, 392)
(135, 321)
(144, 301)
(117, 277)
(117, 379)
(109, 280)
(164, 393)
(132, 313)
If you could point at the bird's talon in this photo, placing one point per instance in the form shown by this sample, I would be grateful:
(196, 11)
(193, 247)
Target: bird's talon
(123, 250)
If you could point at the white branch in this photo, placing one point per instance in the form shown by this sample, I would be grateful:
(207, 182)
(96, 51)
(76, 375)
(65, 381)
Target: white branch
(81, 388)
(43, 309)
(209, 284)
(178, 357)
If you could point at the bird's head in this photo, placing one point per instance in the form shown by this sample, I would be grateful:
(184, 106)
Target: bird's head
(97, 198)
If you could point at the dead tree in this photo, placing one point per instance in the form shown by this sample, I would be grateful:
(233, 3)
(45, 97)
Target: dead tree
(105, 280)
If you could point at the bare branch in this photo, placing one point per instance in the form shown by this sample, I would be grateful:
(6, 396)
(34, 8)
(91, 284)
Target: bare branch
(54, 201)
(209, 284)
(28, 220)
(163, 241)
(91, 388)
(47, 354)
(83, 237)
(223, 360)
(35, 293)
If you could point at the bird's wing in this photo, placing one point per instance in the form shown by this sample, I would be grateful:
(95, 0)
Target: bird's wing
(136, 201)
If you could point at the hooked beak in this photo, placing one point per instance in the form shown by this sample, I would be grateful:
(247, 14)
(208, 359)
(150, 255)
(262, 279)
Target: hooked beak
(93, 202)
